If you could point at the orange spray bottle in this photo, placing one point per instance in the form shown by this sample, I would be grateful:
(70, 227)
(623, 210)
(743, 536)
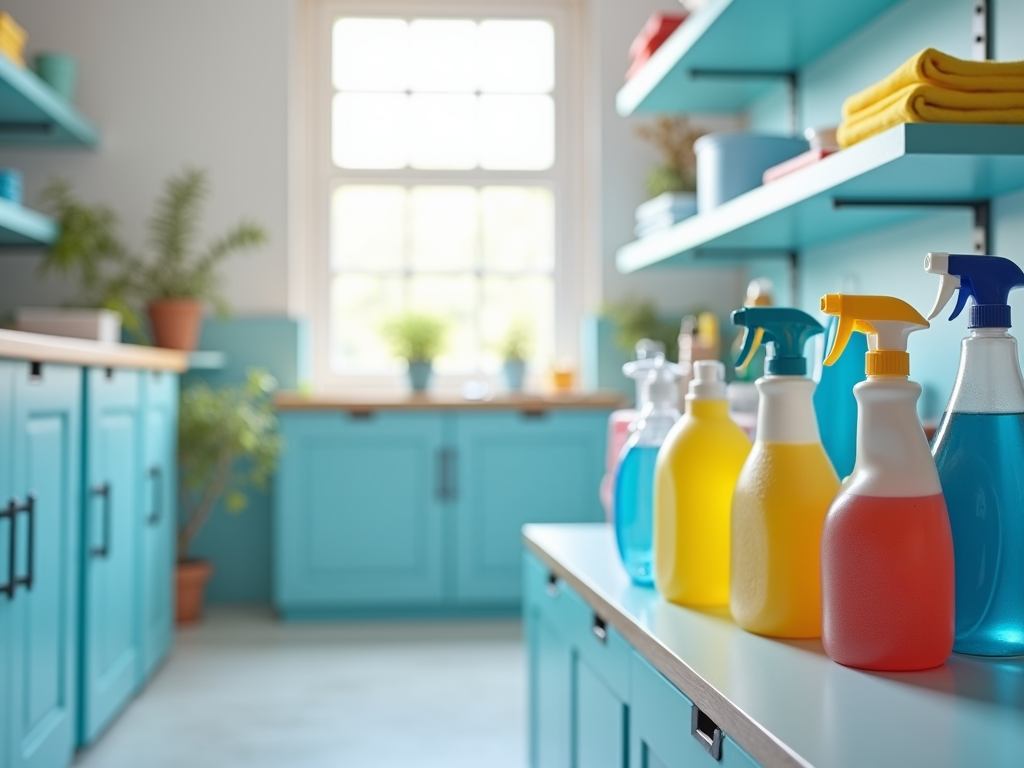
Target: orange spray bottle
(886, 547)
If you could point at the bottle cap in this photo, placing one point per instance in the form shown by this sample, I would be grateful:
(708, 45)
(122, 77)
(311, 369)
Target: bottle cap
(989, 279)
(648, 354)
(886, 320)
(786, 329)
(708, 381)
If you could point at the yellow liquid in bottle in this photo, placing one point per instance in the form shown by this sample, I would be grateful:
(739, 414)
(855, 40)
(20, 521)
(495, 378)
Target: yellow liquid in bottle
(694, 480)
(778, 509)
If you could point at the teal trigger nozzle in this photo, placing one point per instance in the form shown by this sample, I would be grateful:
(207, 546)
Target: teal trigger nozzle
(788, 331)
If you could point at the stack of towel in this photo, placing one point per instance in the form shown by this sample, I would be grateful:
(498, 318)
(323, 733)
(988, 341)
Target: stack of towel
(663, 211)
(934, 87)
(12, 39)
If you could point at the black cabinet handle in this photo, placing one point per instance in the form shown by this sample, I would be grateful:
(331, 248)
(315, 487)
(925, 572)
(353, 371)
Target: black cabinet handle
(103, 490)
(446, 474)
(707, 734)
(157, 475)
(11, 512)
(600, 629)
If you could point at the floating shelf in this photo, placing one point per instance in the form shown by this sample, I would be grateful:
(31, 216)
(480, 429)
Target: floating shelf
(915, 162)
(20, 226)
(33, 114)
(749, 36)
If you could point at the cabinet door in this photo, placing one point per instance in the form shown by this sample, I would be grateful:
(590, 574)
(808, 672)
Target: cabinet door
(157, 524)
(45, 484)
(6, 628)
(516, 468)
(601, 719)
(358, 511)
(112, 511)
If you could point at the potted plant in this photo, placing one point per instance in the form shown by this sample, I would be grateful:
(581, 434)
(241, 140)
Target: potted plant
(418, 338)
(671, 185)
(174, 285)
(515, 349)
(228, 442)
(639, 319)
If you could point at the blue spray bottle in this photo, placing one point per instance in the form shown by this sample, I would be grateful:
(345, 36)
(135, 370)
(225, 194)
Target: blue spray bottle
(634, 480)
(979, 452)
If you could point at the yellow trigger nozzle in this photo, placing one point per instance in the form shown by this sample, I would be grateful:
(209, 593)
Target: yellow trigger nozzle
(887, 321)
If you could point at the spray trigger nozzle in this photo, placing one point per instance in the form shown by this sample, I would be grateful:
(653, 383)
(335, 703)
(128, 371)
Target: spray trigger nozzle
(986, 279)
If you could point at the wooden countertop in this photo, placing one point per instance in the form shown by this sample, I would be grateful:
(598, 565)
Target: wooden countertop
(42, 348)
(785, 701)
(292, 401)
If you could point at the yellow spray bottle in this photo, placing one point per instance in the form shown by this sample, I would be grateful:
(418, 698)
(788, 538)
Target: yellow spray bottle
(784, 489)
(694, 479)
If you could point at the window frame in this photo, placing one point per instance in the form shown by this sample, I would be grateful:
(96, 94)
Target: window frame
(321, 176)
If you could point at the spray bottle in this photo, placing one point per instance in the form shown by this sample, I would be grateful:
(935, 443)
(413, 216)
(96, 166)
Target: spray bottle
(886, 548)
(634, 480)
(784, 489)
(979, 452)
(694, 479)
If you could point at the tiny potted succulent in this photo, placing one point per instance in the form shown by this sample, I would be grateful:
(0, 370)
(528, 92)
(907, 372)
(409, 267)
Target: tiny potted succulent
(228, 443)
(515, 349)
(173, 285)
(418, 338)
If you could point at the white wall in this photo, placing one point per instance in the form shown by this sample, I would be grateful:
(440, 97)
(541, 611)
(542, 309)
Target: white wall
(171, 83)
(623, 161)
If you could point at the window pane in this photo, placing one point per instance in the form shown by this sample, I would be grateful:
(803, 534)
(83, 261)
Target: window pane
(454, 298)
(517, 132)
(444, 56)
(368, 227)
(518, 228)
(444, 130)
(371, 55)
(371, 130)
(444, 228)
(360, 305)
(517, 57)
(505, 300)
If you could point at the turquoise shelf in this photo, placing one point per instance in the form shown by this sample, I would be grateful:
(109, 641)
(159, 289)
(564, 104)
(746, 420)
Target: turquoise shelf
(909, 163)
(23, 227)
(32, 114)
(765, 36)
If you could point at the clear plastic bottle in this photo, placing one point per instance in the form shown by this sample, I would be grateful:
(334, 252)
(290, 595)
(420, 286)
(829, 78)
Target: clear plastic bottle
(634, 480)
(979, 453)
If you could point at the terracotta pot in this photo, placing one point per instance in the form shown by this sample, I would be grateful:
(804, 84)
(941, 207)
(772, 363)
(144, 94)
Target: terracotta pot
(190, 580)
(176, 322)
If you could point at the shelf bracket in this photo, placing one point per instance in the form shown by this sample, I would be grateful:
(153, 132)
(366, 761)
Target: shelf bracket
(749, 74)
(981, 31)
(982, 214)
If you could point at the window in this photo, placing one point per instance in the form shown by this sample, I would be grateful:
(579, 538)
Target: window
(445, 181)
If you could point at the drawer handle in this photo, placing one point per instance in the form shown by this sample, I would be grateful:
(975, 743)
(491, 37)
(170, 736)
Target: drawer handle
(600, 629)
(552, 585)
(103, 491)
(707, 734)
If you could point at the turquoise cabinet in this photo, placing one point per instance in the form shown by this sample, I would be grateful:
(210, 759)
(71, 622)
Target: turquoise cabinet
(594, 702)
(157, 524)
(112, 513)
(40, 418)
(360, 505)
(513, 468)
(420, 511)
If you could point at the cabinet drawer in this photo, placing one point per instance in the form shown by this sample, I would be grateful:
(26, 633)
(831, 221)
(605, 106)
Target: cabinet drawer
(660, 718)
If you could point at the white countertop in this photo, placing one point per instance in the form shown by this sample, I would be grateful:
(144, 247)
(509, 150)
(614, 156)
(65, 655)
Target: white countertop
(43, 348)
(785, 701)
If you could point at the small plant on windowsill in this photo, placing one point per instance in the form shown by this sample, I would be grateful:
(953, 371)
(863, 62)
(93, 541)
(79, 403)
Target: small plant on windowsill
(418, 338)
(228, 444)
(515, 348)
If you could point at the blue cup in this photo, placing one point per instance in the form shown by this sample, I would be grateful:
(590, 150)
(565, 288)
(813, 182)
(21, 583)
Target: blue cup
(10, 185)
(59, 71)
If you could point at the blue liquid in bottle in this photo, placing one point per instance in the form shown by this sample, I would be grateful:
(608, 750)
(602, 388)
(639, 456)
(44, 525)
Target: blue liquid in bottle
(987, 521)
(634, 510)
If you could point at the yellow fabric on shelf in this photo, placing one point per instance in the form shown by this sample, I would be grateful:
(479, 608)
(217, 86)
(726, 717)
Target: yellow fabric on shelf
(929, 104)
(932, 67)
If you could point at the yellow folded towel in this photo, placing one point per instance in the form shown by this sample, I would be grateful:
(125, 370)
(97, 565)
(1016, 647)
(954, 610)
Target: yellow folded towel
(932, 67)
(929, 104)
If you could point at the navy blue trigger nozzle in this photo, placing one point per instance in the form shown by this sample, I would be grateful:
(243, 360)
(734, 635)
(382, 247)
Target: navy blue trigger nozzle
(986, 279)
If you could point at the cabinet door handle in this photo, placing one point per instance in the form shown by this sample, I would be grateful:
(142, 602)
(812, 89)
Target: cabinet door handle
(11, 512)
(157, 475)
(450, 482)
(445, 477)
(103, 490)
(707, 734)
(600, 629)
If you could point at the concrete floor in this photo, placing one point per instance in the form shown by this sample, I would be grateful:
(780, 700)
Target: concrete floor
(245, 690)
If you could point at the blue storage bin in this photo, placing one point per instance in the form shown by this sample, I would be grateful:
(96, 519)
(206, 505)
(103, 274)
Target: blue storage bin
(10, 185)
(731, 163)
